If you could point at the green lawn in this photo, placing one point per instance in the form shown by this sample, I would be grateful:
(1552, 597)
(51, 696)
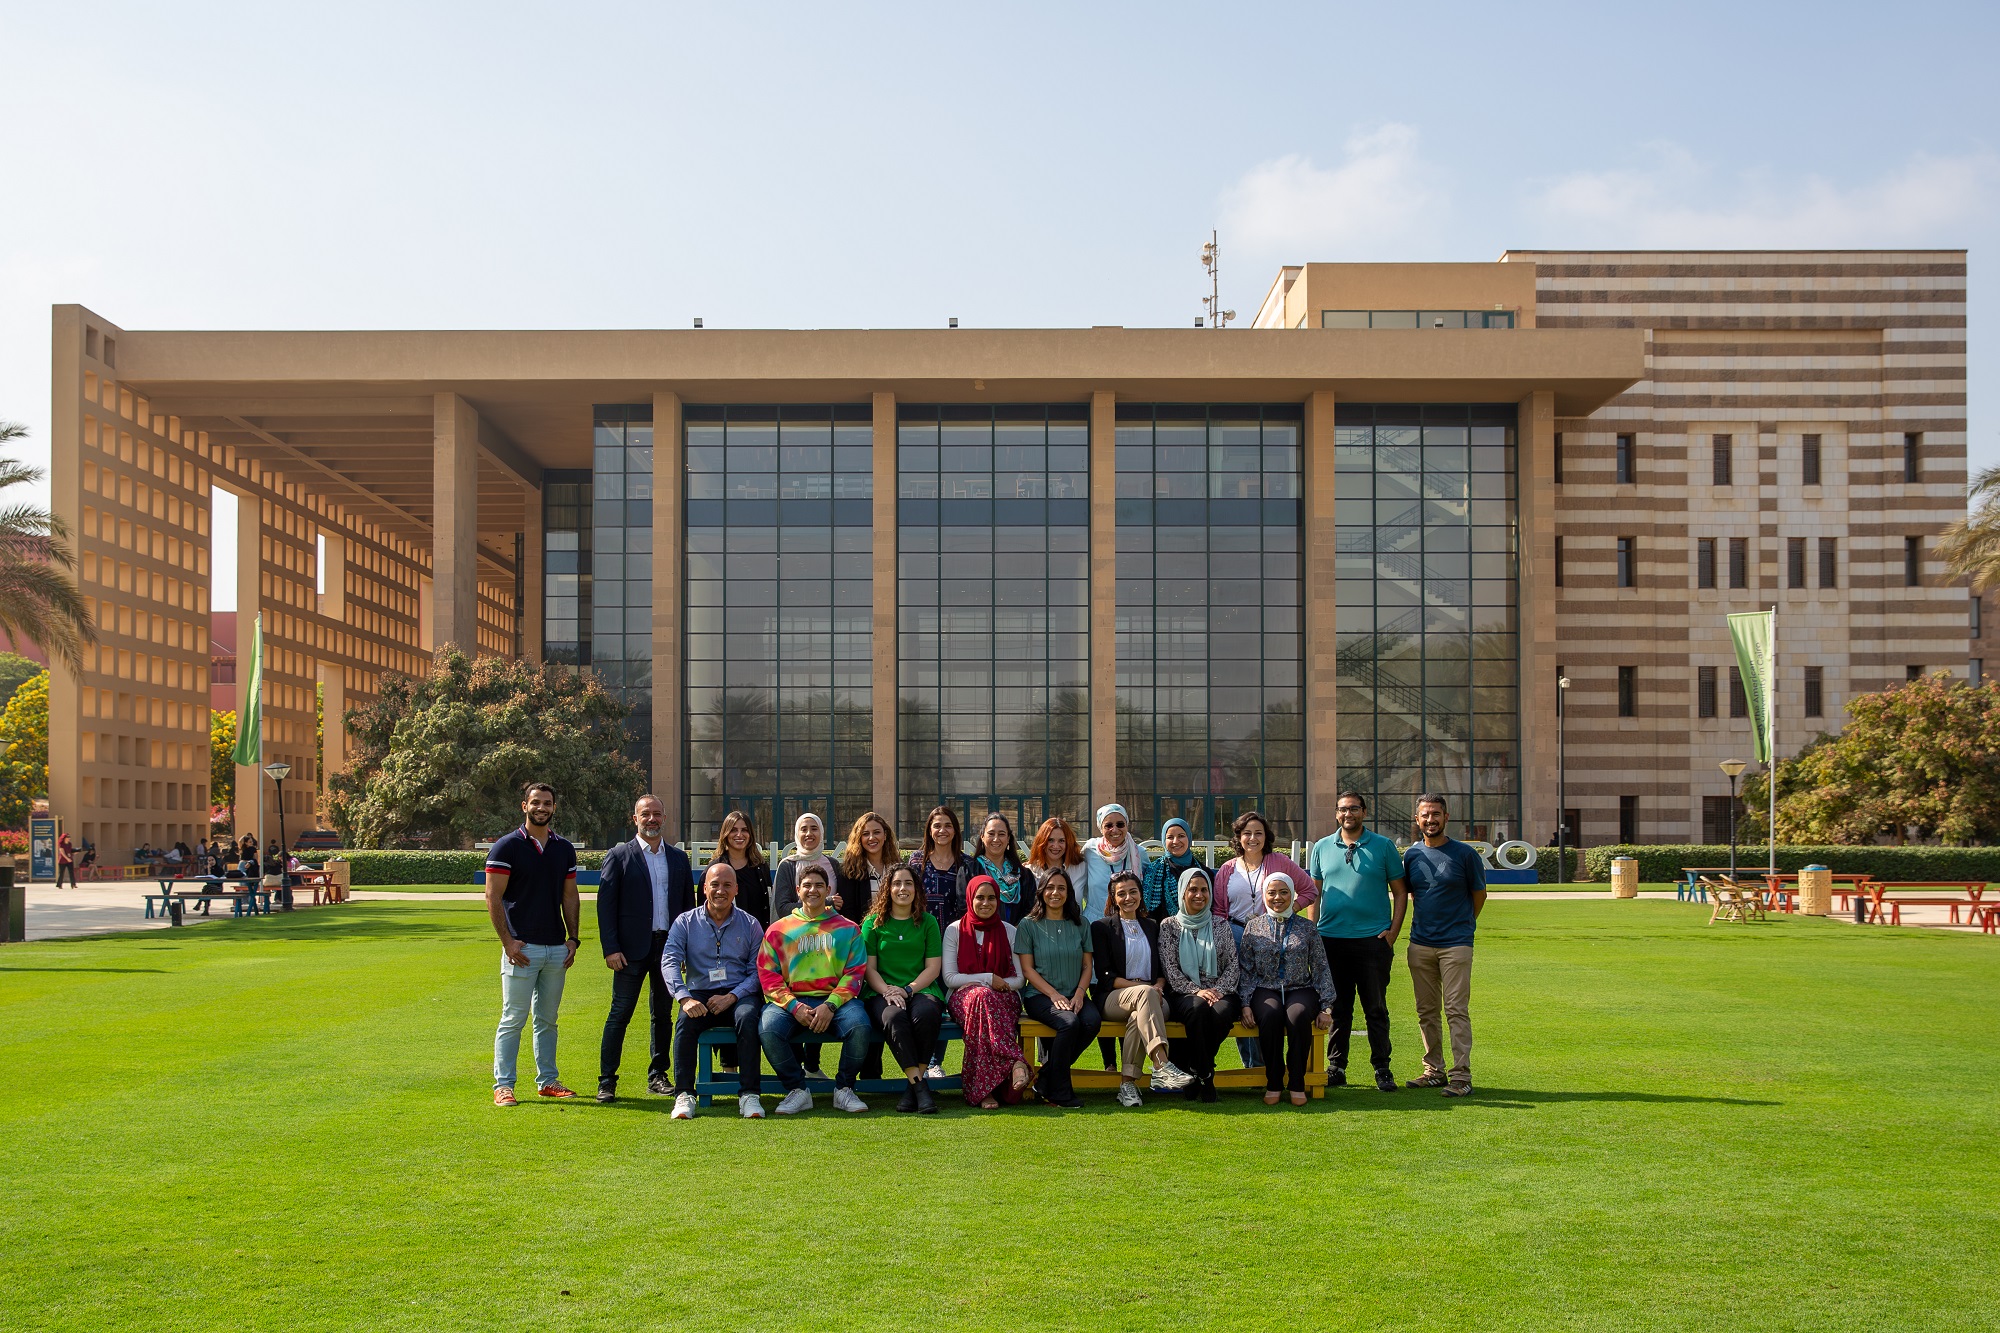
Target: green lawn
(282, 1123)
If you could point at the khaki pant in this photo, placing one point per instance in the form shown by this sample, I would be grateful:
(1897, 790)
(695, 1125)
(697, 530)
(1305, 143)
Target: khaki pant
(1443, 978)
(1144, 1014)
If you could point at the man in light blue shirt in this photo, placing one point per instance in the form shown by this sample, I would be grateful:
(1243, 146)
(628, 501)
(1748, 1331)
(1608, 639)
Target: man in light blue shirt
(710, 966)
(1361, 904)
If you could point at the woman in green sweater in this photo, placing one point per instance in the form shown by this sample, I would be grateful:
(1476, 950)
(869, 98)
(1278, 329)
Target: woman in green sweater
(1054, 946)
(905, 959)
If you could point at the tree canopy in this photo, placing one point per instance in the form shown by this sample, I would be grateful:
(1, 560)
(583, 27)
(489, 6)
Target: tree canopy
(39, 599)
(449, 752)
(1923, 756)
(222, 759)
(24, 751)
(16, 671)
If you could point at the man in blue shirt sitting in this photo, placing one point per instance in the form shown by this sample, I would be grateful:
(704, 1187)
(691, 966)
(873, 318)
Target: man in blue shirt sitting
(1358, 874)
(1448, 887)
(709, 963)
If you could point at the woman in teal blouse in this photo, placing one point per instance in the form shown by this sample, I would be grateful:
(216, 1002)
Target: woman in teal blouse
(1054, 948)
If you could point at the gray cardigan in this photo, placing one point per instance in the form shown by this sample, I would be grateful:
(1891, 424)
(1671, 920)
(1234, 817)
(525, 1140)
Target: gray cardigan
(1169, 961)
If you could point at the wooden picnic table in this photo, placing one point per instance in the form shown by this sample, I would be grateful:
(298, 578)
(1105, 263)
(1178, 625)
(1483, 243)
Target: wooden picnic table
(1877, 892)
(247, 900)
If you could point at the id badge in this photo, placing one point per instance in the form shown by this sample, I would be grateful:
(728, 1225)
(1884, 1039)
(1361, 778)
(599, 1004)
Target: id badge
(716, 974)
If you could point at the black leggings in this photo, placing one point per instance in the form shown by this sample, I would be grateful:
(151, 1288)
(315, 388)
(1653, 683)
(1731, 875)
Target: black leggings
(910, 1030)
(1207, 1024)
(1282, 1016)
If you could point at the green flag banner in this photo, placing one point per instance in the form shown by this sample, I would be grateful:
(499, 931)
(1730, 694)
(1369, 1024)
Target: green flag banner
(250, 721)
(1754, 634)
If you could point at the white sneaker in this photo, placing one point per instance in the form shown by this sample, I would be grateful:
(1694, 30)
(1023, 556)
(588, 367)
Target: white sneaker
(751, 1106)
(1128, 1095)
(684, 1106)
(797, 1100)
(936, 1070)
(844, 1099)
(1170, 1077)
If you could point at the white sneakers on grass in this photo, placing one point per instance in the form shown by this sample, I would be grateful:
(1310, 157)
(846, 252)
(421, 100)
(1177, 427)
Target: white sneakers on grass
(845, 1099)
(1128, 1094)
(1170, 1077)
(797, 1100)
(751, 1106)
(684, 1106)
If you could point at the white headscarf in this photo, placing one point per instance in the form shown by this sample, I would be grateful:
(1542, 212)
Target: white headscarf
(1280, 877)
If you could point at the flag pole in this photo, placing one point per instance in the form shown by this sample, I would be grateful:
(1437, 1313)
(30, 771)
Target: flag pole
(262, 850)
(1771, 743)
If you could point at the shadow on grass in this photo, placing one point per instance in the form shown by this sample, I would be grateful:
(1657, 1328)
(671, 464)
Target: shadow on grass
(59, 968)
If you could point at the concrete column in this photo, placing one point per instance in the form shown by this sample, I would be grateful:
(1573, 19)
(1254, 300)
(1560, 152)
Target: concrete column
(882, 570)
(255, 804)
(1537, 524)
(66, 503)
(532, 604)
(1322, 722)
(455, 523)
(669, 698)
(332, 675)
(1103, 602)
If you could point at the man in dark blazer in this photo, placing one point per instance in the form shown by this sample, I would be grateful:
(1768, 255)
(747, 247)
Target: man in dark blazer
(643, 886)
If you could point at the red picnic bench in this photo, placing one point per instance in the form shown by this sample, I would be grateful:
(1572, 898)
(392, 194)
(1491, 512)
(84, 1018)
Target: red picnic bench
(1877, 892)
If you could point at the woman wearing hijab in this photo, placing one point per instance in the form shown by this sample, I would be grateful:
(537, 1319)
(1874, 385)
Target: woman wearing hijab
(1200, 962)
(1287, 988)
(810, 835)
(1239, 888)
(1164, 874)
(999, 859)
(1115, 849)
(985, 989)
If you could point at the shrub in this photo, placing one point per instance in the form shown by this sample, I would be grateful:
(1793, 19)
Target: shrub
(1659, 865)
(388, 868)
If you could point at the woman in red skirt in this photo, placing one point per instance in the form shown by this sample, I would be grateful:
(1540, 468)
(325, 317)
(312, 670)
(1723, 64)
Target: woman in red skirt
(985, 985)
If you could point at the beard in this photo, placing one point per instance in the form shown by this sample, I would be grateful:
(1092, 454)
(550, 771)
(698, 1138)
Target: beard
(542, 819)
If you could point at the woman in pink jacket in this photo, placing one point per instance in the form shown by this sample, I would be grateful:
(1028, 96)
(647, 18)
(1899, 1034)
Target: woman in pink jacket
(1239, 890)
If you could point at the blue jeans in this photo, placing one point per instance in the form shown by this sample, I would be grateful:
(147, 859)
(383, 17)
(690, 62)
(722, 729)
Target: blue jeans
(536, 988)
(778, 1030)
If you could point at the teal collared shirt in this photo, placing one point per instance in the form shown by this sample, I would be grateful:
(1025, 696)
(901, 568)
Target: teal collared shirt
(1354, 891)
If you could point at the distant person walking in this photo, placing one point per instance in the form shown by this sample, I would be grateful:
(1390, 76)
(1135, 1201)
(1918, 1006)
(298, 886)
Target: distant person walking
(1358, 873)
(1447, 890)
(532, 900)
(65, 861)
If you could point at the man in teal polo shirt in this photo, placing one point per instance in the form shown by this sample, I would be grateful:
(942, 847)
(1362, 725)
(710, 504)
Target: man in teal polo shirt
(1361, 905)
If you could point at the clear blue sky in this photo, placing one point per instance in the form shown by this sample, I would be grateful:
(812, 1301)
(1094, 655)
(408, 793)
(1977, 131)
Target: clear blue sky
(585, 165)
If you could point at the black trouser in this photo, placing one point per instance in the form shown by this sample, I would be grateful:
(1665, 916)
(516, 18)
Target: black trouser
(743, 1016)
(1360, 968)
(1075, 1030)
(1284, 1033)
(624, 1000)
(909, 1030)
(66, 870)
(1207, 1024)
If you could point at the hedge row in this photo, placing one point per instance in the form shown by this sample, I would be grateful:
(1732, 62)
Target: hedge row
(1659, 865)
(430, 867)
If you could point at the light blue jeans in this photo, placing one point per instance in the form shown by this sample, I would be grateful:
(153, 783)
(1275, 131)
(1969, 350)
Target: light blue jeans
(536, 988)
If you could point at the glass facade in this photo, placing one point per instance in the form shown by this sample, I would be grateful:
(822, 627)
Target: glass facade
(779, 640)
(993, 643)
(566, 568)
(620, 647)
(1210, 643)
(1416, 319)
(1428, 592)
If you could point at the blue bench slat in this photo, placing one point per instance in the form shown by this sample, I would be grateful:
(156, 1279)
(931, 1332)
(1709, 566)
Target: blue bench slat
(709, 1084)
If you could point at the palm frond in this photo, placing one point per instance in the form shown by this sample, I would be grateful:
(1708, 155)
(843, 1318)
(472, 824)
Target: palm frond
(40, 603)
(13, 472)
(11, 431)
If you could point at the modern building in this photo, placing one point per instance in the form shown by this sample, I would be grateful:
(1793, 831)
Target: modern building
(1192, 570)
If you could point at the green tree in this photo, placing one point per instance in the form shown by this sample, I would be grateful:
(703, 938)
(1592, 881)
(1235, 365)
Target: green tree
(1923, 756)
(222, 761)
(16, 671)
(449, 752)
(24, 751)
(39, 601)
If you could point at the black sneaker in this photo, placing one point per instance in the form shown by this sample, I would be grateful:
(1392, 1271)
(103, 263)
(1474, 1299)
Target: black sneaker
(1385, 1081)
(607, 1090)
(907, 1103)
(1208, 1090)
(926, 1104)
(1336, 1077)
(1457, 1090)
(659, 1085)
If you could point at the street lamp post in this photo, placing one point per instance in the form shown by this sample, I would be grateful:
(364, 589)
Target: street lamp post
(1734, 768)
(1562, 783)
(278, 772)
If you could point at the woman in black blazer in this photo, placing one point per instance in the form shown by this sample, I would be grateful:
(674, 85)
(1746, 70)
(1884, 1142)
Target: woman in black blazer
(1131, 987)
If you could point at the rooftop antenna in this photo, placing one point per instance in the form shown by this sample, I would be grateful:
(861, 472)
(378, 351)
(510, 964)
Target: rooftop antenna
(1217, 316)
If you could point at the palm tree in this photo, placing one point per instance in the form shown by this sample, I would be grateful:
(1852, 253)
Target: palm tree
(39, 600)
(1971, 545)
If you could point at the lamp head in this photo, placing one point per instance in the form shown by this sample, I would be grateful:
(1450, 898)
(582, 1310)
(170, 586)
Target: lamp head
(1733, 767)
(1562, 682)
(278, 771)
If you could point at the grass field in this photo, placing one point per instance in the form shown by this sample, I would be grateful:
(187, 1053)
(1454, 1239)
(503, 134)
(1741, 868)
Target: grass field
(283, 1123)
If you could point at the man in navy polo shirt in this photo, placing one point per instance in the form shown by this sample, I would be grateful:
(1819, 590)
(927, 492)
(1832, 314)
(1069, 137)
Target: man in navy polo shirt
(1447, 888)
(531, 897)
(1358, 873)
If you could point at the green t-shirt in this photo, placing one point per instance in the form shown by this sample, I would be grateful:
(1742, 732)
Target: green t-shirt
(1058, 946)
(900, 949)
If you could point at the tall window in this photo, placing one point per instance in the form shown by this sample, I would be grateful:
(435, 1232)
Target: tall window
(1913, 562)
(779, 627)
(1975, 670)
(1704, 562)
(1829, 562)
(566, 532)
(1739, 562)
(1627, 468)
(1809, 459)
(1724, 462)
(1912, 673)
(621, 563)
(1628, 691)
(1628, 820)
(1815, 691)
(1739, 703)
(1560, 562)
(1715, 820)
(1912, 449)
(1704, 691)
(1210, 611)
(1795, 562)
(1628, 562)
(1976, 609)
(1427, 642)
(993, 564)
(1559, 458)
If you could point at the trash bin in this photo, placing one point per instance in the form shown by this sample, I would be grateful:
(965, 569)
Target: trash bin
(1624, 877)
(341, 872)
(1815, 891)
(13, 904)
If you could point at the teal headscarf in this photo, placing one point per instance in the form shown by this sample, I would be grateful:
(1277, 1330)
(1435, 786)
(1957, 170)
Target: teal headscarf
(1197, 942)
(1161, 875)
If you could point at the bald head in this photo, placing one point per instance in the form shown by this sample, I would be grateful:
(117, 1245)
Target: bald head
(718, 890)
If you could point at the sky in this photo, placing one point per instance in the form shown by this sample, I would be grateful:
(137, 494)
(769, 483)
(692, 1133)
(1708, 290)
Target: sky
(412, 165)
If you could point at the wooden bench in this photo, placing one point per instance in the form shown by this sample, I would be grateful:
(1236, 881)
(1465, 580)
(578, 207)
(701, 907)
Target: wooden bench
(1109, 1079)
(317, 840)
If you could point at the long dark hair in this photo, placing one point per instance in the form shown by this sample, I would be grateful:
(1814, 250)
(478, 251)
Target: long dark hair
(854, 857)
(752, 854)
(1010, 857)
(1071, 912)
(878, 907)
(957, 832)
